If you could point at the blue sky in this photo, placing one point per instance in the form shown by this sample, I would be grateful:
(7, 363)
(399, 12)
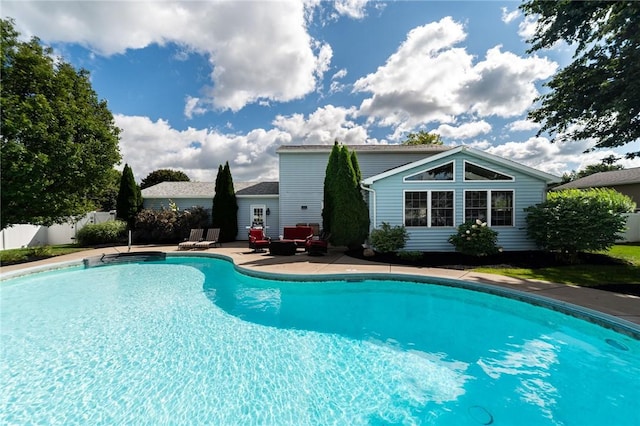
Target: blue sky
(195, 84)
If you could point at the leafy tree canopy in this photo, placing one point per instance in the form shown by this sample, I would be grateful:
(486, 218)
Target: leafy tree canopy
(163, 175)
(607, 165)
(59, 142)
(105, 198)
(423, 138)
(598, 94)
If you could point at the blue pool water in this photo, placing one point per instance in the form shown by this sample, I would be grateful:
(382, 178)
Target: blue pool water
(192, 341)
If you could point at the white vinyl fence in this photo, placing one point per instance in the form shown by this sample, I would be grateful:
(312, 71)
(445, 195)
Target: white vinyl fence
(632, 234)
(18, 236)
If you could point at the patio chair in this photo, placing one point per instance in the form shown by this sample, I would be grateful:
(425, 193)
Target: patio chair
(317, 244)
(257, 240)
(194, 237)
(213, 235)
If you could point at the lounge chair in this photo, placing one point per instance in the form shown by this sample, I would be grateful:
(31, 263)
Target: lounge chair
(257, 240)
(194, 237)
(213, 235)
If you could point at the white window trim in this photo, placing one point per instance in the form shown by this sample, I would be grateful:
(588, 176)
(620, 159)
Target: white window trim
(438, 182)
(489, 191)
(428, 191)
(464, 174)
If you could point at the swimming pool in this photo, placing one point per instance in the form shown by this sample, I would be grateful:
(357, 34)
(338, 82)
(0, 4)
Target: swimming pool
(190, 340)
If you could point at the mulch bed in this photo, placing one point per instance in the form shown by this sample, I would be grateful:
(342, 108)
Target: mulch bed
(515, 259)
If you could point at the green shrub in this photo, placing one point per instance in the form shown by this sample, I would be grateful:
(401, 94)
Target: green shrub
(575, 220)
(168, 225)
(195, 217)
(114, 231)
(388, 239)
(475, 238)
(412, 256)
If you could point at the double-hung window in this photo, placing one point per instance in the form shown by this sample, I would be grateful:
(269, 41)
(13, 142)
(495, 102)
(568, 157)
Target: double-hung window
(493, 207)
(429, 208)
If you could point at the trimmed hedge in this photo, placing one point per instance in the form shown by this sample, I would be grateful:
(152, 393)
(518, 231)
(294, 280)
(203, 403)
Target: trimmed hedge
(112, 232)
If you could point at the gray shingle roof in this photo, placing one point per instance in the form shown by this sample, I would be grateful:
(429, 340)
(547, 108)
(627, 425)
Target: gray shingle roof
(367, 148)
(605, 179)
(180, 190)
(260, 188)
(206, 189)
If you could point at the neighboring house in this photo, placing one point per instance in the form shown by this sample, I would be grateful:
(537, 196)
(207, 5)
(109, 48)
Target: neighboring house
(625, 181)
(431, 189)
(257, 201)
(184, 194)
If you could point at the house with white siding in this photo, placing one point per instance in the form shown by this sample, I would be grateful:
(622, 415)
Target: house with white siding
(430, 189)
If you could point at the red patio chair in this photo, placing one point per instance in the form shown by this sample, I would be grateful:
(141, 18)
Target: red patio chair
(317, 244)
(257, 240)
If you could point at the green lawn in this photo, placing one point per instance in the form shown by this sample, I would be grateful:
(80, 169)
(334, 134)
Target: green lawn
(21, 255)
(585, 275)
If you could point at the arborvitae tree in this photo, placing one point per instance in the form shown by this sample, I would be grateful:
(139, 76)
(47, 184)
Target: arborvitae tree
(129, 201)
(224, 214)
(329, 178)
(356, 167)
(350, 217)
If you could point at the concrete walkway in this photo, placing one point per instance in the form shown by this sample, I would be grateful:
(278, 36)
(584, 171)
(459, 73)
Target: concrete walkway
(626, 307)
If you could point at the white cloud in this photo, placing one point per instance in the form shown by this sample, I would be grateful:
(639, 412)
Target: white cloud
(418, 82)
(323, 127)
(508, 17)
(249, 48)
(147, 146)
(464, 131)
(504, 83)
(428, 79)
(340, 74)
(522, 126)
(337, 86)
(527, 28)
(192, 107)
(554, 158)
(351, 8)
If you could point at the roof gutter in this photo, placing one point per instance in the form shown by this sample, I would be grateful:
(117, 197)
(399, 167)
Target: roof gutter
(373, 202)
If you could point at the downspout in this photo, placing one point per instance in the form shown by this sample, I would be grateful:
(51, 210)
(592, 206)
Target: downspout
(373, 202)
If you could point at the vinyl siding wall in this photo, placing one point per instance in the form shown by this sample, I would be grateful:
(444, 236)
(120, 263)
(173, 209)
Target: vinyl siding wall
(302, 180)
(389, 196)
(244, 216)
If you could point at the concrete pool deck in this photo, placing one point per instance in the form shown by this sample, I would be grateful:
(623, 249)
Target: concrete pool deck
(625, 307)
